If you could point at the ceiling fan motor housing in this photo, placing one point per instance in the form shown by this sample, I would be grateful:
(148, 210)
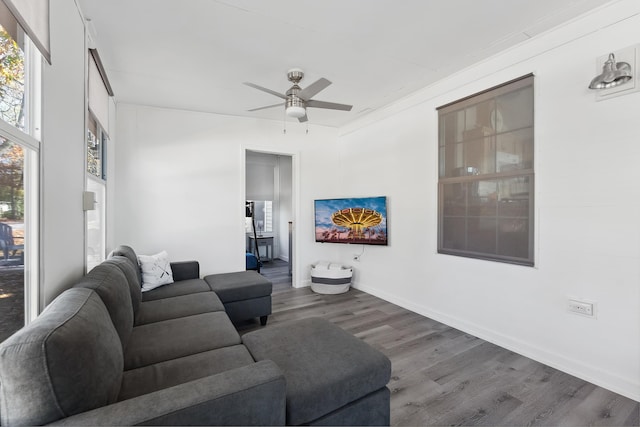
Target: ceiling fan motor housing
(295, 75)
(293, 100)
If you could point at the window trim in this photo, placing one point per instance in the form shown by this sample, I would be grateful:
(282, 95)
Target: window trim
(98, 91)
(29, 139)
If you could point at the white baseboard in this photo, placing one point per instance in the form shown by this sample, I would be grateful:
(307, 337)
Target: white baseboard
(592, 374)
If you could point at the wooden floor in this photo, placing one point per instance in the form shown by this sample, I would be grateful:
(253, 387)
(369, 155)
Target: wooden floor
(277, 271)
(442, 376)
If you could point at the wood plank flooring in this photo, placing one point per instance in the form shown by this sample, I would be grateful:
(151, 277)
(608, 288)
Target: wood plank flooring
(442, 376)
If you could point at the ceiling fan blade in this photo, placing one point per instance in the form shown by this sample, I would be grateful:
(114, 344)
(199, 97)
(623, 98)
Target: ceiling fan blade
(264, 89)
(268, 106)
(313, 89)
(303, 119)
(329, 105)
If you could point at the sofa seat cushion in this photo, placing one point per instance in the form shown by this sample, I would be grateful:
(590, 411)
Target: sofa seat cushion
(325, 367)
(184, 287)
(162, 375)
(239, 286)
(180, 306)
(67, 361)
(170, 339)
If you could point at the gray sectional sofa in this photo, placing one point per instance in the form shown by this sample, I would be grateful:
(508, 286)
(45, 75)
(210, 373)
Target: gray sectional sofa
(103, 353)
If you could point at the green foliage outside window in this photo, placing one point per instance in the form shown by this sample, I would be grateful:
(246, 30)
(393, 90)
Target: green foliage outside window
(12, 112)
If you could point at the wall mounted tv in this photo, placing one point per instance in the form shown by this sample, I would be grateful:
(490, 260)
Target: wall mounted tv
(360, 220)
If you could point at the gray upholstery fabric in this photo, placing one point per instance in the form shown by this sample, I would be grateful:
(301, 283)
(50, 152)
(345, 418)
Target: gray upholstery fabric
(185, 270)
(167, 374)
(128, 252)
(331, 369)
(183, 287)
(180, 306)
(67, 361)
(130, 272)
(108, 281)
(239, 286)
(248, 309)
(170, 339)
(251, 395)
(371, 410)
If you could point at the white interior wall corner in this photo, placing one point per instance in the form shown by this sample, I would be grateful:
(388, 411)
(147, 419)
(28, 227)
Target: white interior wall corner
(587, 203)
(62, 153)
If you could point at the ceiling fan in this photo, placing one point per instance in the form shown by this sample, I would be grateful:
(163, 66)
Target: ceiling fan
(297, 99)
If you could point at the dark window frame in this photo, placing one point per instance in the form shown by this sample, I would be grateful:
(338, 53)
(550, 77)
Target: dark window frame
(486, 196)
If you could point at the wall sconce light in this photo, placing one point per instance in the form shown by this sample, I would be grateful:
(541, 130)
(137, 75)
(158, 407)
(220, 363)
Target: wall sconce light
(613, 74)
(617, 73)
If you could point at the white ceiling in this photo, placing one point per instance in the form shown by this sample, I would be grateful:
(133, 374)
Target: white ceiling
(195, 54)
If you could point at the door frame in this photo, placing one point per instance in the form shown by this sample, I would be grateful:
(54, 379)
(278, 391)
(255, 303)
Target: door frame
(295, 205)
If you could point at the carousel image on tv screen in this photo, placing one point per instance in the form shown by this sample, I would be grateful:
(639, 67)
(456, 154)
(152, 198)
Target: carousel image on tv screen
(361, 220)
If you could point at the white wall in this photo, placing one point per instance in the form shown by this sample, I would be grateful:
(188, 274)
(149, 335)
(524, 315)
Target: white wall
(587, 209)
(180, 183)
(62, 153)
(285, 204)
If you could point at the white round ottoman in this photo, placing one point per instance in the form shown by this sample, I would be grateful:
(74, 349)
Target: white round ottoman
(330, 277)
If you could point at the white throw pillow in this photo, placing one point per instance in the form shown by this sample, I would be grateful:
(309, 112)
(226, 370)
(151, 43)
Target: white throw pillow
(156, 270)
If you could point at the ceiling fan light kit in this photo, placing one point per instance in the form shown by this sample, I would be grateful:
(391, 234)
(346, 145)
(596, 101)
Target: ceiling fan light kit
(298, 99)
(296, 111)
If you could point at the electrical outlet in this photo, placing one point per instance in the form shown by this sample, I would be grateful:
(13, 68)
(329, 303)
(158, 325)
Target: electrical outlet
(584, 308)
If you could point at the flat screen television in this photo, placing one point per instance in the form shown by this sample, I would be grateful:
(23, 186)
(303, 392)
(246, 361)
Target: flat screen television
(361, 220)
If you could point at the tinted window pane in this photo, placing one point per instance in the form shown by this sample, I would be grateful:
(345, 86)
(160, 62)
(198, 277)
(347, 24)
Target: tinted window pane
(515, 109)
(482, 235)
(514, 189)
(455, 200)
(453, 126)
(453, 158)
(514, 150)
(479, 155)
(513, 237)
(483, 198)
(478, 119)
(453, 233)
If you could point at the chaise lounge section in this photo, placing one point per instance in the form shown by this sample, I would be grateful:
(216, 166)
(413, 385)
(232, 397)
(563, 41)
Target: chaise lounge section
(104, 353)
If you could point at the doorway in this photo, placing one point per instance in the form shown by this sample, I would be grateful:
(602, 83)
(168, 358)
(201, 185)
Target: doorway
(269, 185)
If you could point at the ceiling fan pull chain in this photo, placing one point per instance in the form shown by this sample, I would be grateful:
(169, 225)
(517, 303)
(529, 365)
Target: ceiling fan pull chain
(284, 123)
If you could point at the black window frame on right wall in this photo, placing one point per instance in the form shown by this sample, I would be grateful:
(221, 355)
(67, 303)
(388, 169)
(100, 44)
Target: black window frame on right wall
(486, 174)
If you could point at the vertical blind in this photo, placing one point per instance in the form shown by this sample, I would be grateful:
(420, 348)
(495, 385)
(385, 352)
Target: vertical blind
(33, 17)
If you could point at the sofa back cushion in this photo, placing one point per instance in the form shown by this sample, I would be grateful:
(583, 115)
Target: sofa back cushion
(130, 254)
(108, 281)
(68, 360)
(130, 272)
